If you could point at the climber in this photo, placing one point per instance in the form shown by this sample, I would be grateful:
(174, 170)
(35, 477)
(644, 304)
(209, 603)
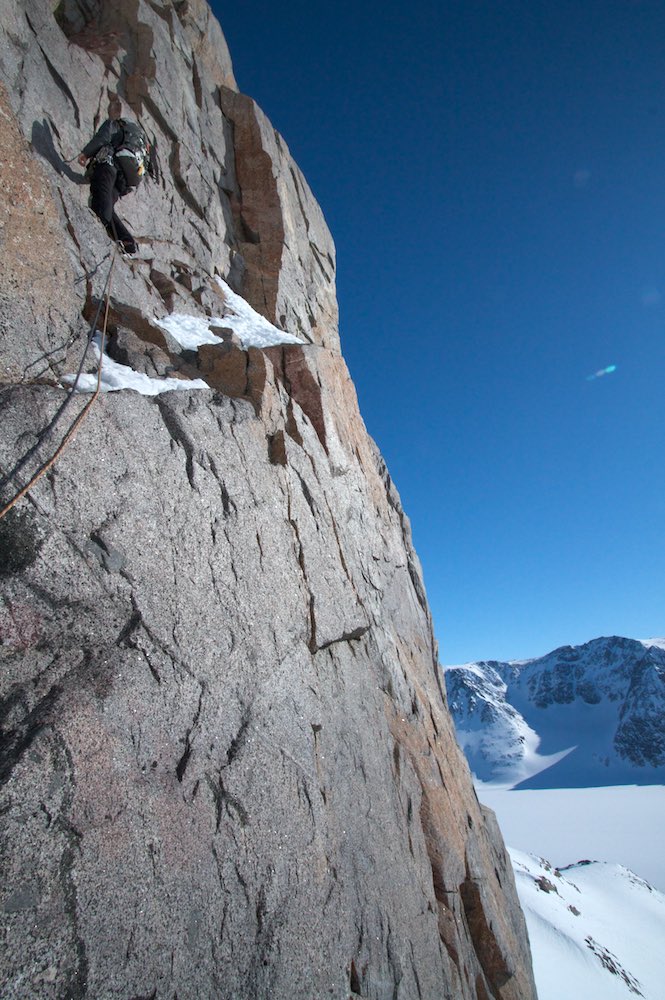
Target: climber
(116, 159)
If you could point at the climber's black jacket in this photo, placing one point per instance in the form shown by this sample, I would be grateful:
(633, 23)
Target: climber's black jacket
(124, 143)
(118, 155)
(108, 134)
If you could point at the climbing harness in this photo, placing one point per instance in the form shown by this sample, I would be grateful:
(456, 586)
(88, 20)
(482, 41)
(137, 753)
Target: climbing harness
(78, 420)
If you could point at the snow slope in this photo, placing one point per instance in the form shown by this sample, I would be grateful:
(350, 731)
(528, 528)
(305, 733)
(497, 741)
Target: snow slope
(596, 930)
(581, 732)
(581, 716)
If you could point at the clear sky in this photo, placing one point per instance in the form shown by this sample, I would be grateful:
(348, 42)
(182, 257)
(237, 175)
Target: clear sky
(493, 174)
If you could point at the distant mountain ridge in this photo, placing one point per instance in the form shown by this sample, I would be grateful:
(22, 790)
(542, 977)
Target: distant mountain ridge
(580, 716)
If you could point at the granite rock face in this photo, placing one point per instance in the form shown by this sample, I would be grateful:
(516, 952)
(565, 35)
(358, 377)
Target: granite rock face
(227, 766)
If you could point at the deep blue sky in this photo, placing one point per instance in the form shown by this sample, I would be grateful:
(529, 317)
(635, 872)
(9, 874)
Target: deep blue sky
(493, 174)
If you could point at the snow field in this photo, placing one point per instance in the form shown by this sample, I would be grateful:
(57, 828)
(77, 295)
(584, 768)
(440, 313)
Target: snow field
(621, 824)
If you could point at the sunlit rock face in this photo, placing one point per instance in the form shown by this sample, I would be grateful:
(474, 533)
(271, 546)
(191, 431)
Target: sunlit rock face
(228, 768)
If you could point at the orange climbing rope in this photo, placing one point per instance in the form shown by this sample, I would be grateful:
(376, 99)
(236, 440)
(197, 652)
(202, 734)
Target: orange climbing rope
(43, 469)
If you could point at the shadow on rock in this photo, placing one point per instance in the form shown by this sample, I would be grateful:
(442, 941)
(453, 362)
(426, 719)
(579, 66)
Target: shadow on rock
(42, 141)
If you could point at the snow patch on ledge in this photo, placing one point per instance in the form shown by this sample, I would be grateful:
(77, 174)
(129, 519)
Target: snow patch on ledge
(189, 331)
(250, 327)
(253, 329)
(116, 376)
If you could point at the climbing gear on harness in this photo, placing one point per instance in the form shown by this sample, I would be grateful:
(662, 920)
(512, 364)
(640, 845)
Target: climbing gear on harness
(131, 166)
(124, 145)
(104, 155)
(131, 152)
(133, 138)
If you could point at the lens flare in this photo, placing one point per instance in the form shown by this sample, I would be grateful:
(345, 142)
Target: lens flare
(603, 371)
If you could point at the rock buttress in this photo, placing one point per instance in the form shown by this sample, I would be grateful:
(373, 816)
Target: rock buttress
(227, 767)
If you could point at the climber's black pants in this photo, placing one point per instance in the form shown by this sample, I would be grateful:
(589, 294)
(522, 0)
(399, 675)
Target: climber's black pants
(104, 194)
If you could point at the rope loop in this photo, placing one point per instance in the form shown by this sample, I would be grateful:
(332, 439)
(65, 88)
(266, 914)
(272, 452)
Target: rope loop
(80, 417)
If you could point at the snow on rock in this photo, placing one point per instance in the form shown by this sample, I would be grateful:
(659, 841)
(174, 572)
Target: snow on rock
(250, 327)
(658, 643)
(596, 930)
(116, 376)
(189, 331)
(500, 745)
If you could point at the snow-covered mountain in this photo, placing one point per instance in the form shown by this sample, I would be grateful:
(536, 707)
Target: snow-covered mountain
(580, 716)
(596, 930)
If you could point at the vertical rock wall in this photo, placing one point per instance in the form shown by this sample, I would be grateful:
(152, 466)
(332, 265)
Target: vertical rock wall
(227, 766)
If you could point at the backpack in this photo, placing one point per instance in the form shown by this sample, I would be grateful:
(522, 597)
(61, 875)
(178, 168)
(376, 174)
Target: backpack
(132, 152)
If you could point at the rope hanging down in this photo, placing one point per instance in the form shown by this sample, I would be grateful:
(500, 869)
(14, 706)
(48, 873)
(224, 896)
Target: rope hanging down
(78, 420)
